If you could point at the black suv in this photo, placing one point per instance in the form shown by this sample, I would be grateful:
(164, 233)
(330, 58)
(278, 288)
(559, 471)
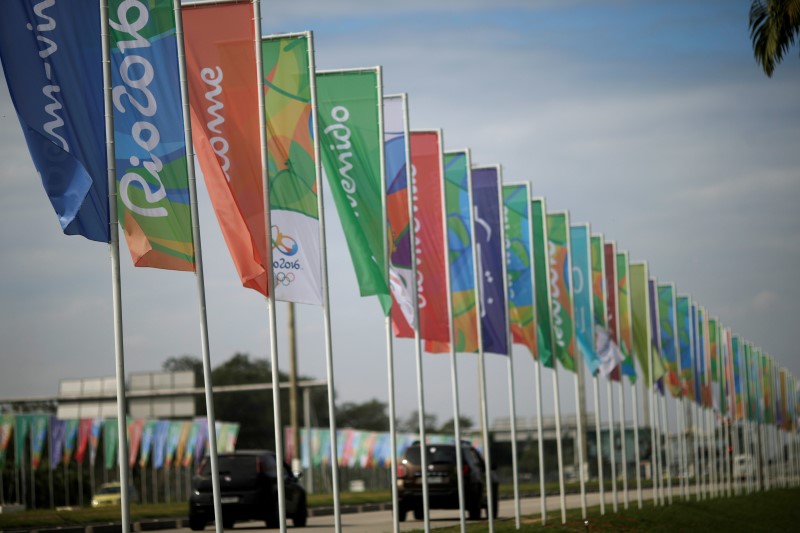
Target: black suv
(248, 491)
(443, 480)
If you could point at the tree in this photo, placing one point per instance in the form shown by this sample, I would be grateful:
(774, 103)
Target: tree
(774, 27)
(369, 416)
(449, 427)
(411, 424)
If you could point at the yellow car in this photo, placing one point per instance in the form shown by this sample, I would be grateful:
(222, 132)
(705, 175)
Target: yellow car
(111, 494)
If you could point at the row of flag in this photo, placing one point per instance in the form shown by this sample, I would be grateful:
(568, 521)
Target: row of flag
(151, 442)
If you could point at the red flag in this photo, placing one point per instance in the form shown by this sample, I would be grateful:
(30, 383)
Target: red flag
(610, 253)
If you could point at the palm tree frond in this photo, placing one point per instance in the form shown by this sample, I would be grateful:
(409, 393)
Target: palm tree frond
(774, 28)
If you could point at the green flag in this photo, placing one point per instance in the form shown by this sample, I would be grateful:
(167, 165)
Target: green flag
(541, 273)
(561, 289)
(642, 334)
(351, 141)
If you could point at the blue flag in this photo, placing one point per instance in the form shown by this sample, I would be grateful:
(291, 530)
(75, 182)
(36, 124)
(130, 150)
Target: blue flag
(51, 54)
(490, 247)
(580, 253)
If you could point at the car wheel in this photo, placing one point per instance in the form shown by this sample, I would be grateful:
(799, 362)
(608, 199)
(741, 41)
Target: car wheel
(419, 512)
(196, 523)
(301, 516)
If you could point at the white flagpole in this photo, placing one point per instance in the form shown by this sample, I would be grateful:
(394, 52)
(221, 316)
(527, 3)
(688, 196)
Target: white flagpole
(451, 334)
(596, 394)
(542, 491)
(668, 446)
(509, 342)
(653, 436)
(326, 308)
(696, 446)
(635, 402)
(612, 449)
(623, 438)
(116, 288)
(558, 443)
(271, 311)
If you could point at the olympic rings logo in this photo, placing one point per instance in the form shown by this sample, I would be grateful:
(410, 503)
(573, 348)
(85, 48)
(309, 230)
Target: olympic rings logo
(284, 278)
(283, 242)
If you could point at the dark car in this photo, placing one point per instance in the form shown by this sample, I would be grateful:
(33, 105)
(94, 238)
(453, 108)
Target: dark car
(248, 491)
(443, 480)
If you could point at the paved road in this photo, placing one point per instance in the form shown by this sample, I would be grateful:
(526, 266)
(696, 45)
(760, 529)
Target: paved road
(381, 521)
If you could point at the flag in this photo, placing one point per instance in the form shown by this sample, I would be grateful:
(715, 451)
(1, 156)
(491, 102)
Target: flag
(684, 326)
(642, 334)
(486, 209)
(84, 432)
(659, 367)
(351, 143)
(57, 430)
(148, 432)
(191, 444)
(21, 426)
(223, 100)
(667, 328)
(460, 251)
(428, 186)
(401, 271)
(612, 297)
(6, 430)
(293, 180)
(38, 425)
(149, 144)
(624, 317)
(608, 352)
(582, 294)
(517, 207)
(110, 441)
(714, 344)
(183, 441)
(738, 384)
(202, 438)
(159, 444)
(173, 436)
(70, 436)
(52, 59)
(561, 289)
(541, 283)
(135, 430)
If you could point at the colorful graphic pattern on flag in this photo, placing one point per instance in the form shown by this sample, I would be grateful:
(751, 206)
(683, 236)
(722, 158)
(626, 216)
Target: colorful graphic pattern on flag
(351, 145)
(582, 295)
(668, 330)
(460, 250)
(541, 283)
(110, 442)
(6, 430)
(684, 326)
(51, 57)
(624, 317)
(395, 138)
(135, 429)
(561, 289)
(598, 283)
(612, 297)
(223, 99)
(517, 206)
(428, 186)
(56, 442)
(640, 313)
(487, 223)
(38, 429)
(149, 145)
(296, 258)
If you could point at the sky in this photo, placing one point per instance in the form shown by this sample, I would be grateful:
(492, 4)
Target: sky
(649, 120)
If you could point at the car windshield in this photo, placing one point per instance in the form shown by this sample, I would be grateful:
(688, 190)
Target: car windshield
(436, 455)
(240, 465)
(109, 490)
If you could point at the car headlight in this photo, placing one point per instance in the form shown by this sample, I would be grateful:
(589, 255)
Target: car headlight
(95, 503)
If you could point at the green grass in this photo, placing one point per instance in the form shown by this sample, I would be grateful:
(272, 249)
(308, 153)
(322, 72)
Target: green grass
(772, 511)
(51, 517)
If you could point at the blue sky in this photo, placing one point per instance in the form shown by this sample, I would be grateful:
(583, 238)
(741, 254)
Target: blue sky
(649, 120)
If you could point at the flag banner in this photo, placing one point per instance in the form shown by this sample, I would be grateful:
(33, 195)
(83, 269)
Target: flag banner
(110, 441)
(191, 444)
(624, 317)
(640, 310)
(51, 56)
(21, 426)
(517, 207)
(667, 327)
(598, 282)
(582, 294)
(148, 432)
(159, 444)
(724, 387)
(57, 431)
(427, 183)
(612, 320)
(223, 102)
(684, 327)
(715, 353)
(766, 388)
(541, 283)
(6, 430)
(783, 404)
(659, 367)
(351, 142)
(460, 238)
(202, 439)
(84, 432)
(696, 375)
(296, 258)
(173, 436)
(149, 145)
(486, 183)
(703, 370)
(70, 437)
(38, 425)
(135, 430)
(183, 439)
(233, 434)
(561, 289)
(401, 272)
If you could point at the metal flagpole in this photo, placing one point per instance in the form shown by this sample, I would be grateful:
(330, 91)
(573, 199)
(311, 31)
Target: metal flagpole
(635, 402)
(579, 444)
(611, 447)
(49, 466)
(596, 391)
(509, 342)
(558, 445)
(653, 443)
(668, 446)
(684, 458)
(273, 338)
(623, 438)
(451, 333)
(696, 446)
(116, 288)
(542, 491)
(201, 292)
